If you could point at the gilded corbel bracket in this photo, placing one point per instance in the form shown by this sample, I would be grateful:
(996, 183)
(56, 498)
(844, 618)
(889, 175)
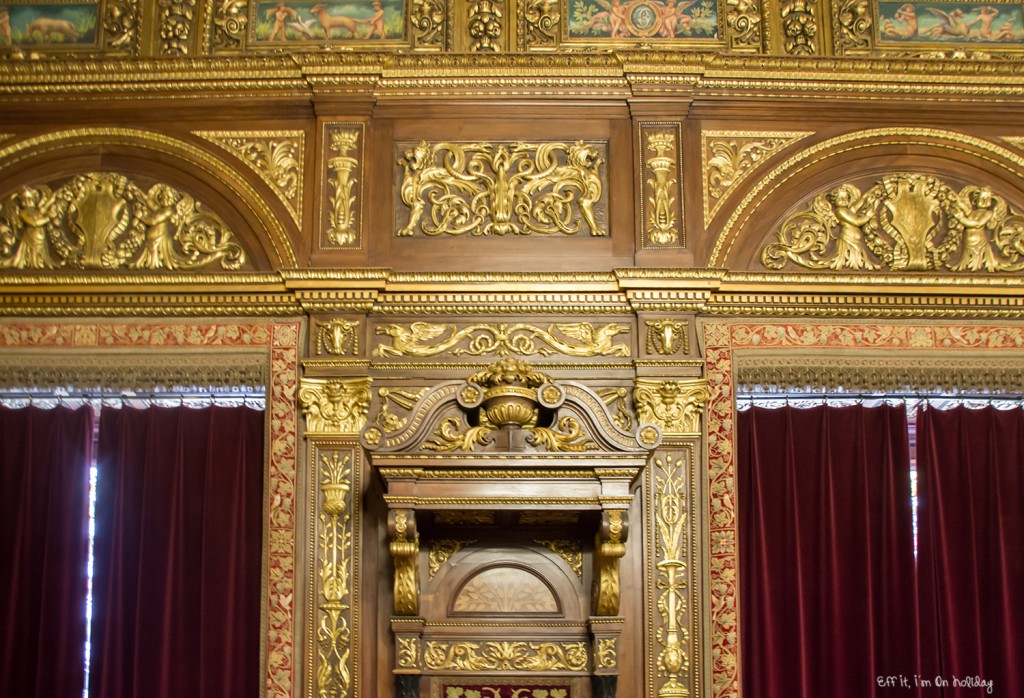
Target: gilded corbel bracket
(404, 547)
(335, 406)
(673, 406)
(609, 548)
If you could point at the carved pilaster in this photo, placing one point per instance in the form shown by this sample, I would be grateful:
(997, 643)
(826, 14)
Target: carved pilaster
(335, 406)
(609, 548)
(674, 406)
(404, 547)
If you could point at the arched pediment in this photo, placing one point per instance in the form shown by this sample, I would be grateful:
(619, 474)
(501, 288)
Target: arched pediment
(511, 408)
(911, 194)
(117, 198)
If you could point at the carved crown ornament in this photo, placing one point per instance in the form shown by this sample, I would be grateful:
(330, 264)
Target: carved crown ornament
(509, 406)
(903, 222)
(104, 220)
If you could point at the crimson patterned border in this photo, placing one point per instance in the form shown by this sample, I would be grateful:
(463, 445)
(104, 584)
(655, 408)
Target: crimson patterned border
(280, 340)
(722, 340)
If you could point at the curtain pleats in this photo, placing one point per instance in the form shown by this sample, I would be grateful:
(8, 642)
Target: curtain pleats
(178, 553)
(971, 548)
(827, 576)
(43, 550)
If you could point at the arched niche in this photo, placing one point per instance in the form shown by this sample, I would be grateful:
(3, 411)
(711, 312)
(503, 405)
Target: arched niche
(753, 216)
(248, 210)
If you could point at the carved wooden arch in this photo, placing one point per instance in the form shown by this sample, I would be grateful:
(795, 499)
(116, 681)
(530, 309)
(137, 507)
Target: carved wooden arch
(960, 157)
(218, 183)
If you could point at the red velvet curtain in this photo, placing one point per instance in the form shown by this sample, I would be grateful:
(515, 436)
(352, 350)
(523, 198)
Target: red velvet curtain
(178, 553)
(827, 601)
(971, 547)
(44, 481)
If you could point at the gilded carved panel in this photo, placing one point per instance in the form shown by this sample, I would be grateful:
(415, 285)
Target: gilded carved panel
(104, 220)
(501, 188)
(276, 156)
(341, 198)
(902, 222)
(661, 200)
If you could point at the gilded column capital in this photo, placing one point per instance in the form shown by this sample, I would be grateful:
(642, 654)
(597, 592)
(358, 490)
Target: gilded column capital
(674, 406)
(335, 406)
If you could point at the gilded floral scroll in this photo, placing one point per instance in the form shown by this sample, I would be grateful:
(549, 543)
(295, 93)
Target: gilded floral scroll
(342, 209)
(103, 220)
(485, 189)
(904, 222)
(661, 203)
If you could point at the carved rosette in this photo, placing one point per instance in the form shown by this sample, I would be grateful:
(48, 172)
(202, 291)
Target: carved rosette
(851, 26)
(674, 406)
(485, 24)
(428, 21)
(487, 189)
(335, 406)
(661, 199)
(121, 22)
(103, 220)
(905, 222)
(177, 19)
(334, 634)
(743, 25)
(799, 27)
(276, 156)
(730, 156)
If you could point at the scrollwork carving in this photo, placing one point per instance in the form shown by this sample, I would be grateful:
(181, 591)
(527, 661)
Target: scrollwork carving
(335, 406)
(610, 548)
(743, 20)
(275, 155)
(851, 25)
(229, 22)
(568, 550)
(581, 339)
(121, 25)
(404, 548)
(442, 550)
(407, 655)
(103, 220)
(617, 397)
(541, 20)
(567, 437)
(673, 406)
(333, 633)
(799, 27)
(502, 189)
(606, 653)
(465, 656)
(730, 156)
(428, 23)
(906, 221)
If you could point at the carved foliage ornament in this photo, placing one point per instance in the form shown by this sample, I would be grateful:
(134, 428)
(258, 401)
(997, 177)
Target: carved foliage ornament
(343, 182)
(275, 155)
(229, 21)
(670, 519)
(502, 189)
(905, 222)
(121, 25)
(541, 20)
(799, 27)
(103, 220)
(581, 339)
(851, 25)
(485, 25)
(505, 656)
(743, 20)
(335, 406)
(333, 633)
(661, 221)
(674, 406)
(427, 18)
(176, 20)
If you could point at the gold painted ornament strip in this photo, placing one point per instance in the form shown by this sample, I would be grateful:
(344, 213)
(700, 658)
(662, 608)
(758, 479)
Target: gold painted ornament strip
(471, 656)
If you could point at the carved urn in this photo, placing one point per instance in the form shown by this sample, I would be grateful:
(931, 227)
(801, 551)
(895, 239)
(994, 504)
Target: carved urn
(509, 393)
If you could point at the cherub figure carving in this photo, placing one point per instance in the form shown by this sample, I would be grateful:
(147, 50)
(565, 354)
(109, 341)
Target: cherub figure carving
(851, 212)
(23, 230)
